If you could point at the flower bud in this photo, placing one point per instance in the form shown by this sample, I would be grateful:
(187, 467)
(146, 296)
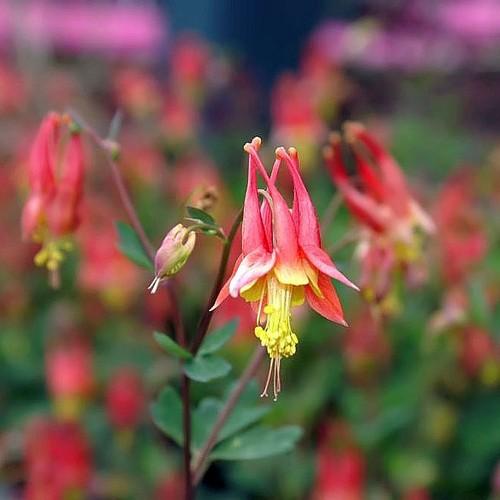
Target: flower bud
(172, 254)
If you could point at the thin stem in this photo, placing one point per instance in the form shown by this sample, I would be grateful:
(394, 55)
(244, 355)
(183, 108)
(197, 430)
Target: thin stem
(330, 212)
(204, 322)
(186, 424)
(200, 463)
(350, 237)
(110, 148)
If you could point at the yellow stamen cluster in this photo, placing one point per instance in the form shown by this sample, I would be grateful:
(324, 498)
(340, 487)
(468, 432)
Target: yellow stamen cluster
(277, 336)
(52, 253)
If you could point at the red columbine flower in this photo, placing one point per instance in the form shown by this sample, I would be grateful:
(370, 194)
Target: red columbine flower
(282, 262)
(125, 398)
(462, 236)
(69, 375)
(390, 218)
(58, 461)
(56, 181)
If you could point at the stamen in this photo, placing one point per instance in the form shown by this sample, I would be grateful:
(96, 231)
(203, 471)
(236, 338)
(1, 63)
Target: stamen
(275, 380)
(259, 311)
(279, 374)
(154, 284)
(277, 335)
(264, 392)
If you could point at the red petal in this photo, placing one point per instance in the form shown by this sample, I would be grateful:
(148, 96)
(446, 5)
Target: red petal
(322, 261)
(224, 291)
(252, 230)
(329, 305)
(304, 213)
(364, 208)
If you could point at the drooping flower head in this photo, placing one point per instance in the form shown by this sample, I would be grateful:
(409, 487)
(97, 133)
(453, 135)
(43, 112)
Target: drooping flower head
(282, 262)
(391, 220)
(56, 169)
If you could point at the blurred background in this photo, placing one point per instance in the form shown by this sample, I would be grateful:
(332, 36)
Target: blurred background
(410, 410)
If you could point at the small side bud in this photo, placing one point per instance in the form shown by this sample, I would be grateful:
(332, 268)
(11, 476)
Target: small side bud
(172, 254)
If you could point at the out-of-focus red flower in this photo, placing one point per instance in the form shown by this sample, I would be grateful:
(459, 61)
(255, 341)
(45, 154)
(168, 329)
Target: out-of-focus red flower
(58, 461)
(170, 488)
(282, 262)
(137, 91)
(453, 310)
(12, 90)
(125, 398)
(52, 211)
(366, 349)
(179, 120)
(417, 494)
(141, 162)
(295, 116)
(192, 177)
(479, 354)
(391, 220)
(189, 60)
(340, 471)
(103, 268)
(69, 374)
(461, 233)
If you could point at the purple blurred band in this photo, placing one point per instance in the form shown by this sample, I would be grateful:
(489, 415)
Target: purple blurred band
(75, 26)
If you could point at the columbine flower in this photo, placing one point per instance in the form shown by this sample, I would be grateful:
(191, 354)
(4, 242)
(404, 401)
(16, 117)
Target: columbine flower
(173, 253)
(52, 211)
(391, 219)
(282, 262)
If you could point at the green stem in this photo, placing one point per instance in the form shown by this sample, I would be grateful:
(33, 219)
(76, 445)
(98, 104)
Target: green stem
(201, 462)
(206, 317)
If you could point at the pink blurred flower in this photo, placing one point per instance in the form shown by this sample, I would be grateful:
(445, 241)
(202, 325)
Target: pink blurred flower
(340, 470)
(366, 348)
(137, 91)
(69, 374)
(189, 60)
(57, 459)
(132, 29)
(125, 398)
(103, 268)
(478, 351)
(461, 233)
(170, 488)
(12, 90)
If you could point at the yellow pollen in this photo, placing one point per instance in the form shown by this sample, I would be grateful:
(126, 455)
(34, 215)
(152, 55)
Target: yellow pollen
(52, 253)
(277, 335)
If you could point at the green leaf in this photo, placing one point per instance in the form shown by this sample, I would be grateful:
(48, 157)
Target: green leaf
(130, 246)
(200, 215)
(245, 412)
(167, 414)
(203, 420)
(243, 415)
(258, 442)
(206, 368)
(215, 340)
(170, 346)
